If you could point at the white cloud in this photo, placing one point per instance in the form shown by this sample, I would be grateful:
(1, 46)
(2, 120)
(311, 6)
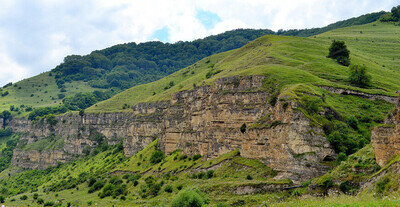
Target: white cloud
(37, 35)
(10, 70)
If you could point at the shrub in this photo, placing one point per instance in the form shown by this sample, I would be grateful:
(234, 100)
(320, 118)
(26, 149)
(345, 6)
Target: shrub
(381, 185)
(338, 51)
(24, 197)
(179, 187)
(210, 174)
(325, 183)
(5, 94)
(91, 181)
(5, 132)
(107, 190)
(51, 119)
(135, 183)
(115, 180)
(48, 203)
(359, 77)
(243, 128)
(249, 177)
(196, 157)
(188, 198)
(35, 196)
(82, 112)
(343, 61)
(156, 157)
(341, 157)
(168, 189)
(40, 201)
(132, 177)
(2, 199)
(345, 186)
(96, 186)
(352, 121)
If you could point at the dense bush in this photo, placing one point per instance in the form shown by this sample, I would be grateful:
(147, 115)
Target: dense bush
(49, 203)
(6, 154)
(203, 175)
(196, 157)
(345, 186)
(51, 119)
(157, 156)
(151, 188)
(243, 128)
(131, 177)
(382, 185)
(324, 183)
(40, 201)
(43, 111)
(97, 186)
(115, 180)
(84, 100)
(168, 189)
(113, 190)
(359, 77)
(5, 132)
(6, 115)
(188, 198)
(338, 51)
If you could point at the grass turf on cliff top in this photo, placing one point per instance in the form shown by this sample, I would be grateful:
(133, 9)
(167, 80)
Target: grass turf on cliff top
(291, 60)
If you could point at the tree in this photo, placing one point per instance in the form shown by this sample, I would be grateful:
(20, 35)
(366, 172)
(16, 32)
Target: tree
(338, 51)
(396, 12)
(359, 77)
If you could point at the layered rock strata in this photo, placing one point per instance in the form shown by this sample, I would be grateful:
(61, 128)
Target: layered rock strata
(232, 113)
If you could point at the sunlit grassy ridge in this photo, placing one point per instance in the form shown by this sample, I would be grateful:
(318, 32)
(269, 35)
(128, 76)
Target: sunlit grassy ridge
(291, 60)
(39, 91)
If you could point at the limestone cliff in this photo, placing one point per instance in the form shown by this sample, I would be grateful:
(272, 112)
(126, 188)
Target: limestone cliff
(386, 138)
(233, 113)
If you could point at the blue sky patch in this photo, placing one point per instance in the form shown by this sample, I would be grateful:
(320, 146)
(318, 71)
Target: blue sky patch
(162, 34)
(207, 18)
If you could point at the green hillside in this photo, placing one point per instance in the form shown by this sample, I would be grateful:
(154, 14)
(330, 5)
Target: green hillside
(291, 60)
(38, 91)
(114, 69)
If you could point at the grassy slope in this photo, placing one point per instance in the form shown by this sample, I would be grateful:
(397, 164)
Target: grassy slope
(44, 90)
(291, 60)
(231, 173)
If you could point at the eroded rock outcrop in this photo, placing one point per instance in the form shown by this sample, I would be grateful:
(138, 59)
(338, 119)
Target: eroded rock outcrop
(386, 138)
(231, 114)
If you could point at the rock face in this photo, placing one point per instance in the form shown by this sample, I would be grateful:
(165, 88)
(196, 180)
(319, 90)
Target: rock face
(231, 114)
(386, 139)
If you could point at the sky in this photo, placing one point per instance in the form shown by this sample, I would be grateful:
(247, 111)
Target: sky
(35, 35)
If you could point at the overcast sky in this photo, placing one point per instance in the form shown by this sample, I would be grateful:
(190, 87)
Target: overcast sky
(35, 35)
